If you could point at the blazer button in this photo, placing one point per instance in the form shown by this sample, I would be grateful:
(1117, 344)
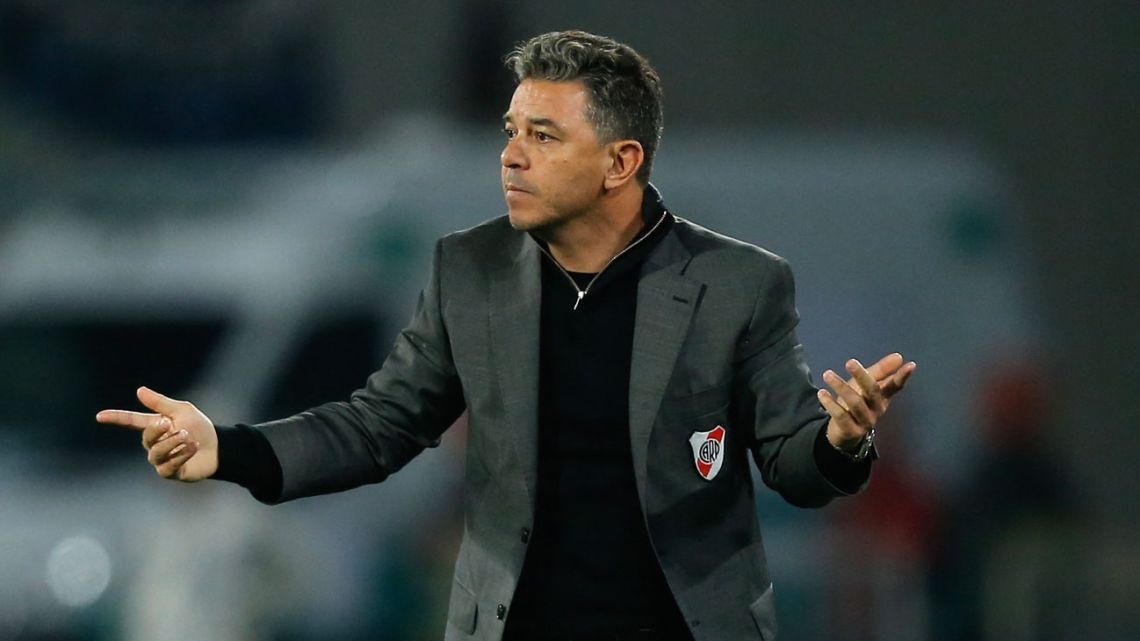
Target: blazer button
(525, 535)
(500, 612)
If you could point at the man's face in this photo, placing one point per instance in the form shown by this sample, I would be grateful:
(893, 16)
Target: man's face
(553, 166)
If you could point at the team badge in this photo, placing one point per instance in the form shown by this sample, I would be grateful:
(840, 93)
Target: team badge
(708, 451)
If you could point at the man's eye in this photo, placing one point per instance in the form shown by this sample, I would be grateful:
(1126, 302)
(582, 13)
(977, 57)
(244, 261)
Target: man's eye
(509, 132)
(542, 137)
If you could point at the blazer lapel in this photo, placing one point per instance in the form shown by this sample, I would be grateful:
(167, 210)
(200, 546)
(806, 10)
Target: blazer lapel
(666, 300)
(515, 314)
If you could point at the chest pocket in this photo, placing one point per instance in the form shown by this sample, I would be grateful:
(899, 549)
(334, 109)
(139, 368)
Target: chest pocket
(709, 405)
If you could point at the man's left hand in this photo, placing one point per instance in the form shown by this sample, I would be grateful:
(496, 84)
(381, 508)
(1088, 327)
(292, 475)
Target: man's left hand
(861, 401)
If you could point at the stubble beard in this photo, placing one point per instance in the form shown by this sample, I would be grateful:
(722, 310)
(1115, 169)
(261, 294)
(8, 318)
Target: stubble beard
(537, 223)
(546, 224)
(522, 225)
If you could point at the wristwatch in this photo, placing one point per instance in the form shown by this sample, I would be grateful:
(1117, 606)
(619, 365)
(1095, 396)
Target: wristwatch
(864, 449)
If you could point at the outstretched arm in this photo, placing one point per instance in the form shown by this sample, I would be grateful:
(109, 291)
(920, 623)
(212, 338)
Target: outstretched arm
(403, 408)
(792, 422)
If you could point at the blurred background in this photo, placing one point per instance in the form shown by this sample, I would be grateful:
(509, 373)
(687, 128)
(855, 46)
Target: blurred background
(234, 201)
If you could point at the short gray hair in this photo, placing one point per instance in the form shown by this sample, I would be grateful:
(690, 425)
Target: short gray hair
(625, 91)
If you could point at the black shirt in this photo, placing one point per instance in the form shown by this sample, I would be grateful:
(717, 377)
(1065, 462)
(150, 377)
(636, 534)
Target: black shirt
(590, 567)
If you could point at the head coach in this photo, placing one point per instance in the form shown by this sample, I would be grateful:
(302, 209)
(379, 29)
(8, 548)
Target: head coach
(619, 366)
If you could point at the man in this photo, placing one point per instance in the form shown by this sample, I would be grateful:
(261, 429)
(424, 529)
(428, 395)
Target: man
(617, 364)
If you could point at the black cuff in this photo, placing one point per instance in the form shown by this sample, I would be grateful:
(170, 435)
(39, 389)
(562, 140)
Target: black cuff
(245, 457)
(840, 470)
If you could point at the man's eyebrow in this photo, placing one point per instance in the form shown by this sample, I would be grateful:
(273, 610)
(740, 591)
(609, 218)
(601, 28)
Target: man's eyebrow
(537, 122)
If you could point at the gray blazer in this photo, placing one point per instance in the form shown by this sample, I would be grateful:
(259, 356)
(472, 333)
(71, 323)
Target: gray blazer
(714, 345)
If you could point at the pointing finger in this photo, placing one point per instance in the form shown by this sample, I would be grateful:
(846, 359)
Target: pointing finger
(133, 420)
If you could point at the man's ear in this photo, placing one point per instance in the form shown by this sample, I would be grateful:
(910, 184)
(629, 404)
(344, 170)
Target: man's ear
(626, 157)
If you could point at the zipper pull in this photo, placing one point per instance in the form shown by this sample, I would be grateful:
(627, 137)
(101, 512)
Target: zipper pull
(581, 295)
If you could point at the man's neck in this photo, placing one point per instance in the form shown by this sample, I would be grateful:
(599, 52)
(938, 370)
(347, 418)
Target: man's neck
(589, 242)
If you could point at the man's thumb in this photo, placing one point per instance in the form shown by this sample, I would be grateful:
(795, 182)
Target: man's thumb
(155, 401)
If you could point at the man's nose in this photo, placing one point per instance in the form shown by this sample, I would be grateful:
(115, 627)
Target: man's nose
(513, 156)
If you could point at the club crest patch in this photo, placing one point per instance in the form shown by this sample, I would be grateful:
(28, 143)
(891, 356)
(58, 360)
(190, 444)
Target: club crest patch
(708, 451)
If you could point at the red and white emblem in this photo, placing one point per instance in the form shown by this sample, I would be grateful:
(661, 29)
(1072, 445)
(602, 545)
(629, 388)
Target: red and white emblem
(708, 451)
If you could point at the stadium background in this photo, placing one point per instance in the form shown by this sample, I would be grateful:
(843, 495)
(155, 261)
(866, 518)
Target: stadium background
(232, 201)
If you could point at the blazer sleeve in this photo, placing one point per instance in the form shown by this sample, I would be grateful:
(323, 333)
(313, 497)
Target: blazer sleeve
(781, 404)
(404, 407)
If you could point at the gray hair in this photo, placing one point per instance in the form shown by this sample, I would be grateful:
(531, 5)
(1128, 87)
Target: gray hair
(625, 91)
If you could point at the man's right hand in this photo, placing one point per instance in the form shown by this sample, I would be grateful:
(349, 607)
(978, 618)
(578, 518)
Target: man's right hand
(180, 440)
